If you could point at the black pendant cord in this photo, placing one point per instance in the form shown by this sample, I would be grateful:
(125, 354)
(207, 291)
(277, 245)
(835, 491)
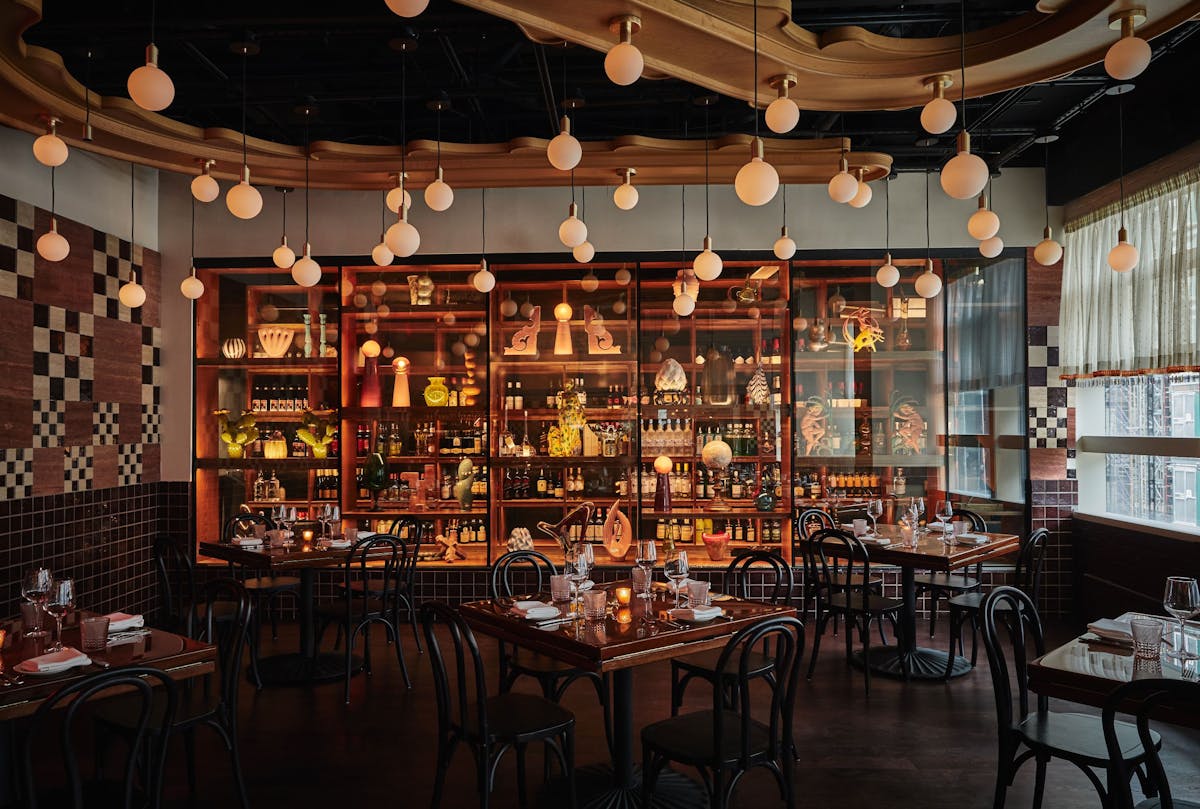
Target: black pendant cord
(707, 231)
(1121, 153)
(439, 137)
(245, 53)
(306, 158)
(887, 215)
(87, 94)
(582, 201)
(132, 219)
(785, 205)
(284, 195)
(52, 193)
(572, 186)
(193, 235)
(755, 70)
(1046, 179)
(683, 223)
(383, 210)
(482, 222)
(153, 19)
(962, 60)
(403, 123)
(928, 254)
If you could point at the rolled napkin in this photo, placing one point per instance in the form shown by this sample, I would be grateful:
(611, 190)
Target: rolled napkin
(123, 621)
(696, 613)
(55, 661)
(1111, 629)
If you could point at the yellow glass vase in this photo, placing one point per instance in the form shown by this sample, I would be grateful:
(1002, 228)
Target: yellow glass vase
(436, 392)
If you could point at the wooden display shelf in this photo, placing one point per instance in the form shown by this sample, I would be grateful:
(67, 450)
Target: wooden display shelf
(593, 413)
(695, 458)
(259, 462)
(291, 365)
(427, 458)
(869, 461)
(554, 460)
(713, 412)
(606, 499)
(290, 502)
(420, 412)
(737, 510)
(839, 358)
(363, 512)
(570, 364)
(287, 416)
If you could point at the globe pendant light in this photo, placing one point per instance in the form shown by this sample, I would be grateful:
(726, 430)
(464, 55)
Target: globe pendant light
(439, 196)
(939, 113)
(983, 224)
(306, 272)
(243, 199)
(626, 196)
(990, 248)
(407, 8)
(965, 174)
(584, 251)
(784, 247)
(843, 187)
(686, 286)
(783, 113)
(564, 150)
(192, 287)
(572, 232)
(49, 149)
(283, 257)
(398, 193)
(402, 238)
(1124, 256)
(624, 62)
(863, 193)
(927, 285)
(707, 265)
(204, 186)
(1129, 55)
(149, 85)
(51, 245)
(381, 254)
(132, 294)
(887, 275)
(1048, 251)
(483, 280)
(756, 182)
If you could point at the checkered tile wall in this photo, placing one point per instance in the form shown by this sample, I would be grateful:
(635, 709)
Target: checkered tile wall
(79, 407)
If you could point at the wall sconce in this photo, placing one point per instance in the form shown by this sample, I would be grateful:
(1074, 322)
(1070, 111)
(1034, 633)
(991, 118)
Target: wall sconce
(400, 397)
(562, 334)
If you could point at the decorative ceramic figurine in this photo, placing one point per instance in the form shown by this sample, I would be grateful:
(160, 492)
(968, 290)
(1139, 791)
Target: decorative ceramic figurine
(275, 340)
(567, 530)
(520, 540)
(436, 393)
(869, 332)
(307, 334)
(374, 477)
(814, 427)
(234, 348)
(323, 346)
(717, 456)
(317, 430)
(462, 486)
(816, 336)
(236, 434)
(617, 533)
(758, 392)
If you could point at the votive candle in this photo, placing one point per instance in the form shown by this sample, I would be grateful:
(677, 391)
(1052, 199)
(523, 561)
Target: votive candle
(623, 595)
(307, 535)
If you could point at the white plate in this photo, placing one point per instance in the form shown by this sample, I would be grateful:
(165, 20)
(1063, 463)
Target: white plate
(529, 605)
(542, 613)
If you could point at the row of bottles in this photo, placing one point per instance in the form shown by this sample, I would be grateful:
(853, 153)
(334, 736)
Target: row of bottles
(685, 532)
(326, 484)
(280, 395)
(667, 437)
(520, 483)
(468, 532)
(268, 490)
(848, 484)
(742, 437)
(425, 440)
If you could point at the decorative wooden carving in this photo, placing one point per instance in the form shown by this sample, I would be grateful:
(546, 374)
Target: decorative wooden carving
(600, 340)
(524, 341)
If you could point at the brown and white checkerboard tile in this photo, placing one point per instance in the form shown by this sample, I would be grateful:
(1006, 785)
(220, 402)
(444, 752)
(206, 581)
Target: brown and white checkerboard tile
(78, 468)
(112, 259)
(16, 249)
(16, 473)
(106, 422)
(63, 363)
(129, 464)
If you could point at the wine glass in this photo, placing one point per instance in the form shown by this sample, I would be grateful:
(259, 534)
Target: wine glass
(944, 512)
(647, 555)
(1181, 598)
(278, 515)
(676, 568)
(60, 602)
(918, 509)
(35, 588)
(576, 568)
(289, 519)
(875, 511)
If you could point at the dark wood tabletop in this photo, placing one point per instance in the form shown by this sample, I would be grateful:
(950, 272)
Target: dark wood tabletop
(623, 640)
(300, 555)
(931, 553)
(180, 657)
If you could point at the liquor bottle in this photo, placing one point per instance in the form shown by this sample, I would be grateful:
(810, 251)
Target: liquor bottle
(865, 441)
(447, 486)
(508, 395)
(542, 483)
(299, 448)
(814, 487)
(395, 441)
(751, 531)
(518, 397)
(736, 488)
(452, 394)
(559, 490)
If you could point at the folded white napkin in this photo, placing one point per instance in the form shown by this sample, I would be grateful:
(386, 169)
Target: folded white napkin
(541, 612)
(872, 539)
(1111, 629)
(56, 661)
(122, 621)
(695, 613)
(587, 584)
(247, 542)
(937, 526)
(340, 544)
(972, 539)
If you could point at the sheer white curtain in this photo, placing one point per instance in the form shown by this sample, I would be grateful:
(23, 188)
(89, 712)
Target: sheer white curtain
(985, 333)
(1143, 320)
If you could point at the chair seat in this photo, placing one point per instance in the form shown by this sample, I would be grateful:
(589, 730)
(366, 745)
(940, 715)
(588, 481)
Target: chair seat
(516, 717)
(1156, 803)
(1081, 737)
(842, 602)
(705, 663)
(945, 581)
(688, 738)
(971, 602)
(372, 586)
(267, 584)
(337, 610)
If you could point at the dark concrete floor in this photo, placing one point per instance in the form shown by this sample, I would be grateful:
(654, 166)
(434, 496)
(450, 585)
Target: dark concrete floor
(917, 744)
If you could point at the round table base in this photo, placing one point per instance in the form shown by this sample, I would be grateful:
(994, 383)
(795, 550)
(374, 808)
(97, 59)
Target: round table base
(923, 663)
(296, 669)
(595, 788)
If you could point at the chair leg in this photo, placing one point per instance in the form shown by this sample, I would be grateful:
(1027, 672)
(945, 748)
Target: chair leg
(569, 755)
(189, 751)
(678, 684)
(445, 751)
(974, 638)
(235, 760)
(395, 633)
(412, 618)
(522, 792)
(1003, 775)
(1039, 783)
(955, 638)
(866, 644)
(482, 766)
(849, 635)
(349, 660)
(273, 614)
(812, 663)
(933, 612)
(604, 693)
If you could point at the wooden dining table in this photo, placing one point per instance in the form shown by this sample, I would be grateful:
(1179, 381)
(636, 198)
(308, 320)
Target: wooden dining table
(626, 639)
(907, 659)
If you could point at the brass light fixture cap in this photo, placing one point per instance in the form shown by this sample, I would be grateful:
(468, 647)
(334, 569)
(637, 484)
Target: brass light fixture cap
(625, 174)
(1136, 14)
(617, 24)
(783, 80)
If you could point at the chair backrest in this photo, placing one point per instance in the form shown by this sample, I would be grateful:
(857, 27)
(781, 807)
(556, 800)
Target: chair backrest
(835, 559)
(737, 575)
(1030, 561)
(410, 532)
(382, 558)
(176, 577)
(738, 659)
(226, 623)
(978, 523)
(464, 702)
(1147, 696)
(64, 715)
(410, 529)
(238, 524)
(502, 573)
(812, 519)
(1010, 609)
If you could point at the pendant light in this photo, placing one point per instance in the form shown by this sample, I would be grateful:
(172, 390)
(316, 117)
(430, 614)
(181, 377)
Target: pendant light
(52, 245)
(132, 294)
(707, 265)
(1124, 256)
(784, 247)
(993, 245)
(1129, 55)
(626, 196)
(686, 286)
(87, 97)
(508, 306)
(284, 257)
(483, 280)
(756, 182)
(149, 85)
(887, 275)
(939, 113)
(398, 193)
(381, 254)
(407, 8)
(783, 113)
(1048, 251)
(204, 186)
(584, 251)
(928, 285)
(572, 232)
(564, 150)
(965, 174)
(243, 200)
(843, 187)
(306, 272)
(439, 196)
(984, 223)
(862, 192)
(623, 63)
(402, 238)
(192, 287)
(49, 149)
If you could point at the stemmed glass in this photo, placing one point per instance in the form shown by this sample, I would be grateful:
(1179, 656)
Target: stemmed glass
(60, 602)
(676, 568)
(1181, 598)
(647, 555)
(278, 515)
(577, 568)
(875, 511)
(917, 507)
(944, 512)
(35, 588)
(289, 519)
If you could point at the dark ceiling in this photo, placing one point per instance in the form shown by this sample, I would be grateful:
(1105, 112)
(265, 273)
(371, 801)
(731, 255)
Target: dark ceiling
(347, 65)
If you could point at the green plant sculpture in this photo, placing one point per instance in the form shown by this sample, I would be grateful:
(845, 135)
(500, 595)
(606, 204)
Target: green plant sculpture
(236, 434)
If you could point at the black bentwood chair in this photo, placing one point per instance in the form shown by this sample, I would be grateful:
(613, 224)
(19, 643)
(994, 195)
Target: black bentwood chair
(490, 726)
(1077, 738)
(703, 666)
(553, 676)
(265, 591)
(384, 557)
(944, 585)
(808, 523)
(1147, 695)
(838, 559)
(723, 743)
(152, 696)
(1028, 575)
(411, 532)
(199, 704)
